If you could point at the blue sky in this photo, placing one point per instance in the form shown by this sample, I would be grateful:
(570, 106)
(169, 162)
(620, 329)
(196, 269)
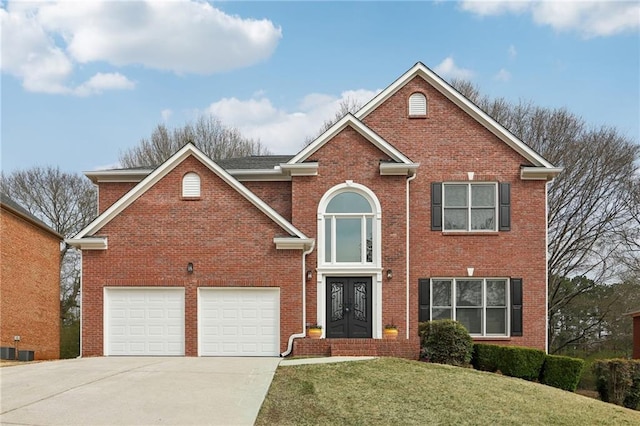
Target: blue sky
(84, 81)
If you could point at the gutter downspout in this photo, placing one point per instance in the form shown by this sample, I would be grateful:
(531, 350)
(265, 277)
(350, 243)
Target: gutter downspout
(409, 179)
(304, 303)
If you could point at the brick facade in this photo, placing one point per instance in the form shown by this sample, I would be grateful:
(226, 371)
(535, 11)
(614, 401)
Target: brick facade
(230, 242)
(29, 286)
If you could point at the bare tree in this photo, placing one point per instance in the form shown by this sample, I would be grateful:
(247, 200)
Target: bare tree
(207, 133)
(347, 105)
(593, 204)
(67, 203)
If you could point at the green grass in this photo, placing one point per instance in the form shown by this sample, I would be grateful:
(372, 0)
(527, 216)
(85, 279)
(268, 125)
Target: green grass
(400, 392)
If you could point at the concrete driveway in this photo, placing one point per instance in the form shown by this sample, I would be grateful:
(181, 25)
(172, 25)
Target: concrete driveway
(136, 391)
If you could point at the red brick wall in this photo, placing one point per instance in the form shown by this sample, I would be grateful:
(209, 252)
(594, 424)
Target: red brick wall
(276, 194)
(29, 287)
(110, 192)
(229, 241)
(448, 144)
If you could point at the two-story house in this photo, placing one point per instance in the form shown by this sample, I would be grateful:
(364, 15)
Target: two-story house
(419, 206)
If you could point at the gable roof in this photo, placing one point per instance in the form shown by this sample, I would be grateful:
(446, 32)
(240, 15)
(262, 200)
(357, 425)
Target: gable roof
(152, 178)
(15, 208)
(350, 120)
(419, 69)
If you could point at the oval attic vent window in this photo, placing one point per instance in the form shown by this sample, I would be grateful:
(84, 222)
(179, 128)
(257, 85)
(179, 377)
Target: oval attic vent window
(417, 105)
(191, 185)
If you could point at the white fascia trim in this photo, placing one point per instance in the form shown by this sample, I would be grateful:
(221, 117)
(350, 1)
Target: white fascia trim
(300, 169)
(258, 175)
(358, 126)
(398, 169)
(88, 243)
(163, 170)
(136, 175)
(285, 243)
(419, 69)
(539, 173)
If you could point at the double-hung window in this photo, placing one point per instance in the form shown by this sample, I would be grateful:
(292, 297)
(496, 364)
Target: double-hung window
(480, 304)
(470, 206)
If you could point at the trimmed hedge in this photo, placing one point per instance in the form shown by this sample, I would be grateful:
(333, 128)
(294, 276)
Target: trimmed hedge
(514, 361)
(561, 372)
(523, 363)
(618, 381)
(485, 357)
(445, 342)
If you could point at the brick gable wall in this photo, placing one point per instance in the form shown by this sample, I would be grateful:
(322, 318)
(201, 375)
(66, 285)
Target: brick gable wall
(227, 239)
(29, 287)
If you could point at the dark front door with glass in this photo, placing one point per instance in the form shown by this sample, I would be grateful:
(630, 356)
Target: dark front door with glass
(349, 307)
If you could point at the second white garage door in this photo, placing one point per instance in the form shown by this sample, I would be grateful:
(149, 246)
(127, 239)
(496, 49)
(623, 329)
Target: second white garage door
(238, 321)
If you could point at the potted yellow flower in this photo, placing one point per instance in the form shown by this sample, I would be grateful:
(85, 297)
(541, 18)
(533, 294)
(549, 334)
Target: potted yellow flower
(314, 331)
(390, 331)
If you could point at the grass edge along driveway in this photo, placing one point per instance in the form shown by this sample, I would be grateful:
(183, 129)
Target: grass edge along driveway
(398, 391)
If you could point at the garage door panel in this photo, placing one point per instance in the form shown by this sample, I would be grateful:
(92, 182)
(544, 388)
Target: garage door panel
(144, 321)
(238, 321)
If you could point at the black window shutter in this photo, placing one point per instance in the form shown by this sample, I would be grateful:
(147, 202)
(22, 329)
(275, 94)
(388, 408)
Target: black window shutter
(436, 206)
(516, 306)
(424, 299)
(504, 195)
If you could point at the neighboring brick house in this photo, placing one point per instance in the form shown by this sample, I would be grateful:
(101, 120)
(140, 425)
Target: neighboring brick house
(418, 206)
(30, 282)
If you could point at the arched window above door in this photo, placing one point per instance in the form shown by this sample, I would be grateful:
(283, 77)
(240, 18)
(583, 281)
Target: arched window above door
(349, 226)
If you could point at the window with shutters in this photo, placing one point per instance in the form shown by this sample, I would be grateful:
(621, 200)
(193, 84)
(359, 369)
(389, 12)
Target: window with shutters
(480, 304)
(417, 105)
(469, 206)
(191, 185)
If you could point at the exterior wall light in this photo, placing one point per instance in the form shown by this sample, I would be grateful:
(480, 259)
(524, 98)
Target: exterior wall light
(309, 275)
(389, 274)
(190, 268)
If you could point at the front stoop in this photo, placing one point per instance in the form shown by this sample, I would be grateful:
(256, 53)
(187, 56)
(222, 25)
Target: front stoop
(353, 347)
(401, 348)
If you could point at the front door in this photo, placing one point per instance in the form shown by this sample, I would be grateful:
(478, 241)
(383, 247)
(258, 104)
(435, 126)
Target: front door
(349, 307)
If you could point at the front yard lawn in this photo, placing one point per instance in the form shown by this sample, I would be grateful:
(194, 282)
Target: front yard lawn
(400, 392)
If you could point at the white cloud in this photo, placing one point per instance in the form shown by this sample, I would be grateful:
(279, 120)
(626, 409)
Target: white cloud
(166, 114)
(503, 75)
(512, 51)
(282, 131)
(101, 82)
(45, 42)
(588, 18)
(449, 70)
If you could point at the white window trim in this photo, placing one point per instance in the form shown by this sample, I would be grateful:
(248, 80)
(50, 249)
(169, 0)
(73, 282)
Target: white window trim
(469, 208)
(376, 226)
(484, 302)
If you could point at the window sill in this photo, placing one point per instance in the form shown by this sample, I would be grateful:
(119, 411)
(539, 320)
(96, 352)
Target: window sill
(191, 198)
(472, 233)
(489, 338)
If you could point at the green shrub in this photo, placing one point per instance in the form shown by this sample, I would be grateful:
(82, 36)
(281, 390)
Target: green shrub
(524, 363)
(618, 381)
(561, 372)
(445, 342)
(485, 357)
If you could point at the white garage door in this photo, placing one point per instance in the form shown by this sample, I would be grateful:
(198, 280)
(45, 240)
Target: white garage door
(238, 321)
(144, 321)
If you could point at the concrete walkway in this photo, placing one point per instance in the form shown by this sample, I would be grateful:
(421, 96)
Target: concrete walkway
(136, 391)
